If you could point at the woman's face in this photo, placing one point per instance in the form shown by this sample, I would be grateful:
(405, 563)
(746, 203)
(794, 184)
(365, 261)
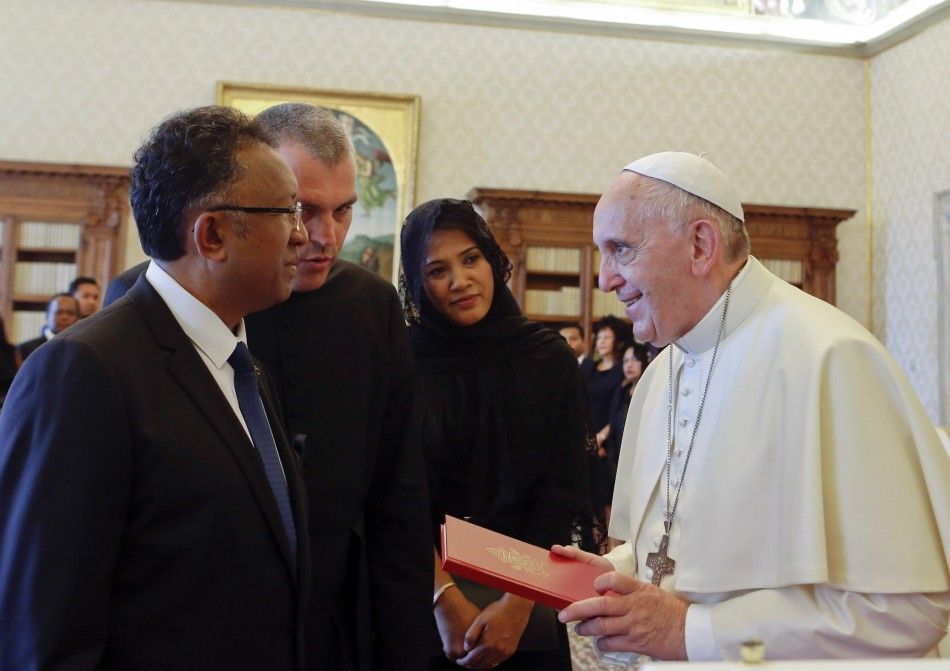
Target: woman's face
(632, 366)
(457, 277)
(605, 342)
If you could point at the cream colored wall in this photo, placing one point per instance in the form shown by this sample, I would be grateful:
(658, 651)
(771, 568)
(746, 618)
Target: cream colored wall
(910, 102)
(500, 107)
(526, 109)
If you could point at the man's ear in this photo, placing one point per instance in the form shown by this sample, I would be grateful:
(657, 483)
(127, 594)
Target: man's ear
(705, 246)
(209, 232)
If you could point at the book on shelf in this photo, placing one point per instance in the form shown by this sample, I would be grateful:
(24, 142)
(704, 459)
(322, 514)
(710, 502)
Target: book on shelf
(789, 270)
(563, 301)
(47, 235)
(603, 304)
(553, 259)
(26, 325)
(42, 278)
(511, 565)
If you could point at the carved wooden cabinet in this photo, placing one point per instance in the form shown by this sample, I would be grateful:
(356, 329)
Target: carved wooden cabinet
(57, 222)
(547, 236)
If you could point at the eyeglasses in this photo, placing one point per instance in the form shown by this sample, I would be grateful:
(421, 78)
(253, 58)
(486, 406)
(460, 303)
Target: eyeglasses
(296, 211)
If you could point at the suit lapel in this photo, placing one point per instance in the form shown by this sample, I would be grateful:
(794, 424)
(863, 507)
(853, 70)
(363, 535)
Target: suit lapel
(186, 366)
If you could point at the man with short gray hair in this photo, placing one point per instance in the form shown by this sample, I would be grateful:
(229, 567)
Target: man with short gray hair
(339, 352)
(778, 480)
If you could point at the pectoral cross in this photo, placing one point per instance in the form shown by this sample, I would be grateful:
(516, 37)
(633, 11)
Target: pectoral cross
(659, 561)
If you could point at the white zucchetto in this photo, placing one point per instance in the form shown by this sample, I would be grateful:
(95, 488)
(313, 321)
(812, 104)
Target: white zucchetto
(694, 174)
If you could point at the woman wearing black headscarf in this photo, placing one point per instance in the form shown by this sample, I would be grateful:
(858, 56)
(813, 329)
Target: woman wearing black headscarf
(504, 434)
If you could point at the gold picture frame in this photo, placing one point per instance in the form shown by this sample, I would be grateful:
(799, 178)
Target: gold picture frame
(385, 131)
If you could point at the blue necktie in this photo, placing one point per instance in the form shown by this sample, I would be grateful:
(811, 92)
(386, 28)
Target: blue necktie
(249, 400)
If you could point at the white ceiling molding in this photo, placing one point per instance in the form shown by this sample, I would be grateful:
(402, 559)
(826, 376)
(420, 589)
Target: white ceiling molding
(647, 22)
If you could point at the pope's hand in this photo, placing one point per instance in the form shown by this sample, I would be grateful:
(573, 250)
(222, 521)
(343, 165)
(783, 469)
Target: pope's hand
(574, 553)
(631, 616)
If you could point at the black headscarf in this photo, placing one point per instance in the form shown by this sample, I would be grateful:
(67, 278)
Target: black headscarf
(437, 343)
(504, 402)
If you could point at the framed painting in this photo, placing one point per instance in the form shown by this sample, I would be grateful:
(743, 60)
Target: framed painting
(385, 133)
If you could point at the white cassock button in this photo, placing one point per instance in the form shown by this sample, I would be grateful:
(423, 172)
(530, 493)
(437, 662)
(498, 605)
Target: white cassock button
(675, 482)
(649, 574)
(685, 391)
(679, 451)
(656, 541)
(683, 421)
(690, 361)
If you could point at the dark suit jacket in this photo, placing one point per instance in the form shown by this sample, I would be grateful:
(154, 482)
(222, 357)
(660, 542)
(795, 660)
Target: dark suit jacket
(122, 282)
(340, 357)
(26, 348)
(587, 367)
(137, 527)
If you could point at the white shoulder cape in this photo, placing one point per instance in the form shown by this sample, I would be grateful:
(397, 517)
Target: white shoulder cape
(814, 463)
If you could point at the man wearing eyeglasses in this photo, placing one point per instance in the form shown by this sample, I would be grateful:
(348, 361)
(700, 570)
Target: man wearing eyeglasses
(339, 352)
(152, 514)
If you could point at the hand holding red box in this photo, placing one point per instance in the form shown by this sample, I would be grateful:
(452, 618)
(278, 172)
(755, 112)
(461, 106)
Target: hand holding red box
(505, 563)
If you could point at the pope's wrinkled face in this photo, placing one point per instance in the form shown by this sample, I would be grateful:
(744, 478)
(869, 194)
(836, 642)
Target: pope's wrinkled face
(645, 263)
(457, 277)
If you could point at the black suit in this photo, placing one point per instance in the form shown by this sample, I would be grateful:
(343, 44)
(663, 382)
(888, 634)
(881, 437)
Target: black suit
(122, 282)
(587, 367)
(27, 347)
(137, 527)
(340, 356)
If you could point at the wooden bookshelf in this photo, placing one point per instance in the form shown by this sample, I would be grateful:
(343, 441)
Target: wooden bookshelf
(796, 243)
(58, 222)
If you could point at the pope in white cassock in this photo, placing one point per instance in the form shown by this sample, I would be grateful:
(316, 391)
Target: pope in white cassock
(778, 479)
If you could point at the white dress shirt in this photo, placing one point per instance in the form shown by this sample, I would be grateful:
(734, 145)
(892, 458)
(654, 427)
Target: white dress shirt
(212, 339)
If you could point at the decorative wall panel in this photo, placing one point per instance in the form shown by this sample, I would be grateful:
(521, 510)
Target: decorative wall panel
(910, 103)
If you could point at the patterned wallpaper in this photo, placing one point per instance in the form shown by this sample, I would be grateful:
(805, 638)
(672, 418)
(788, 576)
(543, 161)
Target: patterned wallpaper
(505, 108)
(910, 103)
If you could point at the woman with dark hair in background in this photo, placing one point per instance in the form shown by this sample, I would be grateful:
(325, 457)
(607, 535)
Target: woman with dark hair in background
(8, 363)
(635, 360)
(504, 433)
(602, 382)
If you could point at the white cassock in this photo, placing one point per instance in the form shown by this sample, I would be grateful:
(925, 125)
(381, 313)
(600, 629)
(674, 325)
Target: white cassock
(815, 514)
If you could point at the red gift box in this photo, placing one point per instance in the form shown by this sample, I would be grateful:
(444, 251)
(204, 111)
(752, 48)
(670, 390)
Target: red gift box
(505, 563)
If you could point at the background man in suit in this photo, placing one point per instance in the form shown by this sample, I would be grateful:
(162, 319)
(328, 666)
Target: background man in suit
(141, 527)
(340, 354)
(122, 282)
(574, 335)
(86, 291)
(62, 311)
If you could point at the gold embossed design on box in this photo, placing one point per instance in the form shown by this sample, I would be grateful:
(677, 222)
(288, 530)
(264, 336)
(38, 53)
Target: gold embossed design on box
(519, 561)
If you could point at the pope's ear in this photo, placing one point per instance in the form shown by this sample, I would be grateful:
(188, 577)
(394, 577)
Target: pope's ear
(208, 234)
(705, 245)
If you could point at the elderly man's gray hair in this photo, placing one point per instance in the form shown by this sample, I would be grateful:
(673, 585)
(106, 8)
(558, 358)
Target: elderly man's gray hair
(660, 200)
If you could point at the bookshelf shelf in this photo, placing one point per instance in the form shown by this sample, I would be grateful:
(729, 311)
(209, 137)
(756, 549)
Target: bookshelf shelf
(552, 319)
(30, 299)
(47, 254)
(547, 237)
(56, 222)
